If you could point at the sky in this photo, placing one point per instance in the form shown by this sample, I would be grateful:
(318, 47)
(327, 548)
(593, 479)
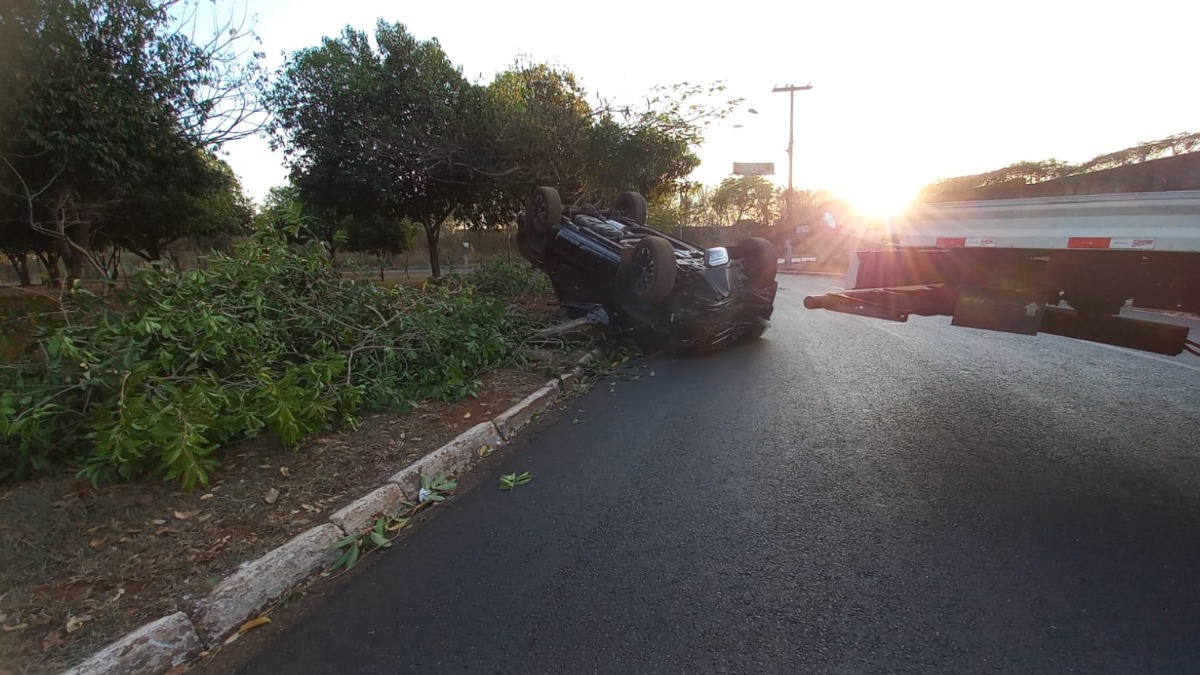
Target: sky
(904, 93)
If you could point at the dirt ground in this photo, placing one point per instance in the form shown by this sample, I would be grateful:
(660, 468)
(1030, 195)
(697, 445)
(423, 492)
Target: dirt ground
(80, 567)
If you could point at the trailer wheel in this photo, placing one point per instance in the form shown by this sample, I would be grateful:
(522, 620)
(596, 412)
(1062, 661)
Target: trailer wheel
(758, 260)
(651, 270)
(543, 210)
(633, 205)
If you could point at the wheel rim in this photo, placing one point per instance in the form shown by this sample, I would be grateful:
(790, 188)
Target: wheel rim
(643, 272)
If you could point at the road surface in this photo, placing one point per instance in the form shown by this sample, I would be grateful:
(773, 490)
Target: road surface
(844, 496)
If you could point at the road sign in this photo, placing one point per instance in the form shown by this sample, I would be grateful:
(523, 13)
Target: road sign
(754, 168)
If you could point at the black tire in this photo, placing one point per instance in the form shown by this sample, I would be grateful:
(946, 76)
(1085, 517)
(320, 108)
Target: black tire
(632, 205)
(758, 260)
(651, 271)
(543, 210)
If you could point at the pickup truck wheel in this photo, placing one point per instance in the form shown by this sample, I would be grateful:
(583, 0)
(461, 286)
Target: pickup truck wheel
(633, 205)
(758, 260)
(651, 270)
(543, 210)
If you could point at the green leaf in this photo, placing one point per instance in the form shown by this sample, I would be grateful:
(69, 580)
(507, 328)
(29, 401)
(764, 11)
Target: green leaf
(350, 539)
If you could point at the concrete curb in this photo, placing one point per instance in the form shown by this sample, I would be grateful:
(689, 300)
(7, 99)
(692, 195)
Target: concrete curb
(249, 589)
(515, 418)
(152, 649)
(357, 515)
(175, 640)
(452, 458)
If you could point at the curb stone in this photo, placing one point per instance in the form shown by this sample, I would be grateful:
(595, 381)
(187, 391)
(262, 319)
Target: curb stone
(357, 515)
(451, 458)
(515, 418)
(246, 591)
(153, 649)
(174, 640)
(567, 380)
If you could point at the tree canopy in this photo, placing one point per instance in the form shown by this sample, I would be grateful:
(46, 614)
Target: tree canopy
(390, 128)
(1029, 172)
(108, 125)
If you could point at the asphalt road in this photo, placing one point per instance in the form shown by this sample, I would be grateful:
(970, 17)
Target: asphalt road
(844, 496)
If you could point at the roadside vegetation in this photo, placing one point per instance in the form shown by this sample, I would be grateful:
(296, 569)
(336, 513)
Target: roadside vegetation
(157, 378)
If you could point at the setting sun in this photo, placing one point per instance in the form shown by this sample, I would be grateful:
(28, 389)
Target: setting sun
(879, 199)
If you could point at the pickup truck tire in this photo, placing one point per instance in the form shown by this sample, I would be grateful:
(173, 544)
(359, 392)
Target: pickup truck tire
(651, 270)
(758, 260)
(543, 210)
(633, 205)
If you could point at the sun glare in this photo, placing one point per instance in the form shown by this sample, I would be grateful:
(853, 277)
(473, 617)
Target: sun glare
(879, 200)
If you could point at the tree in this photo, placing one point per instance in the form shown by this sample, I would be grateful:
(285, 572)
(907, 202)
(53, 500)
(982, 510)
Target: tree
(17, 243)
(1028, 172)
(107, 105)
(1176, 144)
(741, 197)
(199, 198)
(538, 130)
(381, 236)
(651, 148)
(380, 132)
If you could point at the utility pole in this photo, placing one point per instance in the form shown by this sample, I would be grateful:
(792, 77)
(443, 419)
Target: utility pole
(791, 90)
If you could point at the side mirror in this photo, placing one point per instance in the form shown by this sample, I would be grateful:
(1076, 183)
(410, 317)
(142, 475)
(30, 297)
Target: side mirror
(715, 257)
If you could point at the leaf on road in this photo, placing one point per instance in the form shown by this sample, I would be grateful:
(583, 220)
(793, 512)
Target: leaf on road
(272, 496)
(254, 623)
(184, 515)
(206, 496)
(467, 416)
(96, 543)
(158, 521)
(15, 627)
(485, 450)
(285, 471)
(74, 623)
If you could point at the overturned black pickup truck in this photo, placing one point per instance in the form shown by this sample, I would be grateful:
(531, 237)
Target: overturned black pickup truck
(666, 292)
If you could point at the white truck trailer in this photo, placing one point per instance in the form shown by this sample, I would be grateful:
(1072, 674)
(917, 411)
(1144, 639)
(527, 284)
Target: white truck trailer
(1012, 264)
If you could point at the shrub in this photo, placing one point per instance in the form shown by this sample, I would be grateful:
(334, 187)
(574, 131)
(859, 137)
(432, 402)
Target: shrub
(503, 278)
(265, 339)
